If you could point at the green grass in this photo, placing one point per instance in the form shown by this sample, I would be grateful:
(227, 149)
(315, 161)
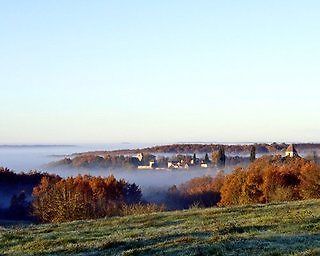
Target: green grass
(276, 229)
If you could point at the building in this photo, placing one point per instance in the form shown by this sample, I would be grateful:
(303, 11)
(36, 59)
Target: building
(152, 165)
(204, 165)
(291, 151)
(140, 157)
(143, 159)
(174, 165)
(195, 161)
(186, 166)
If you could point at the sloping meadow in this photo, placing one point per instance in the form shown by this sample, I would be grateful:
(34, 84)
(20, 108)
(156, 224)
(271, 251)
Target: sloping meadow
(273, 229)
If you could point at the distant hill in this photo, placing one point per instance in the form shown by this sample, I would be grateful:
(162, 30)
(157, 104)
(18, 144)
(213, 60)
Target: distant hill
(275, 229)
(207, 148)
(34, 146)
(236, 154)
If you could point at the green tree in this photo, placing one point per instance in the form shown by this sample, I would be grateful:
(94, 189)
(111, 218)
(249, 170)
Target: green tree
(315, 157)
(253, 154)
(194, 158)
(206, 159)
(221, 157)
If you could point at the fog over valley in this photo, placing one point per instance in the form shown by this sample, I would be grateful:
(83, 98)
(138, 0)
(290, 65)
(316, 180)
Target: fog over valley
(26, 158)
(36, 157)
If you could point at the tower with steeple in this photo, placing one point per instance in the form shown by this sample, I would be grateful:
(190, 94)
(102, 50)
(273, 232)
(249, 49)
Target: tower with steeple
(291, 151)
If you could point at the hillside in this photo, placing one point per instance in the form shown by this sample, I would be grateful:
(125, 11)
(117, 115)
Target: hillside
(185, 148)
(276, 229)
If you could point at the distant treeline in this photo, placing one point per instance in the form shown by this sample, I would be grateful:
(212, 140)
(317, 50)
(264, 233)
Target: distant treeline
(261, 148)
(235, 155)
(106, 161)
(92, 161)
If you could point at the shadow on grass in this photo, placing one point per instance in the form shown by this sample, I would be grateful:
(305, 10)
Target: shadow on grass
(198, 243)
(14, 223)
(273, 245)
(146, 222)
(230, 229)
(202, 243)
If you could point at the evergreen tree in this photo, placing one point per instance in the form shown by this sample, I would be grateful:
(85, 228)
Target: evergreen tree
(206, 159)
(194, 158)
(315, 157)
(253, 154)
(214, 157)
(221, 157)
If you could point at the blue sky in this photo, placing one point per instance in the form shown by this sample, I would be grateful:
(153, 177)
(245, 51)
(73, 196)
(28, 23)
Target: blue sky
(159, 71)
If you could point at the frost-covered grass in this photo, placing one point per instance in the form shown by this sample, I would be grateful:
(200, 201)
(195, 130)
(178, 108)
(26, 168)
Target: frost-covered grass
(276, 229)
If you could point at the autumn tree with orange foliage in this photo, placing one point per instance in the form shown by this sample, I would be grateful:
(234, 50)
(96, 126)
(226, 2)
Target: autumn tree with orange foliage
(310, 181)
(231, 191)
(82, 197)
(202, 191)
(272, 179)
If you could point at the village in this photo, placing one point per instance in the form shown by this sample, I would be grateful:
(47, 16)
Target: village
(147, 162)
(218, 160)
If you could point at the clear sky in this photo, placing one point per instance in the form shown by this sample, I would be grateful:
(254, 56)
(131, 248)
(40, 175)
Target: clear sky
(159, 71)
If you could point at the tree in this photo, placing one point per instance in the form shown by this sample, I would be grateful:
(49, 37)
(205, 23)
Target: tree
(272, 179)
(231, 191)
(315, 157)
(19, 206)
(132, 193)
(194, 158)
(203, 191)
(82, 197)
(206, 159)
(310, 181)
(221, 157)
(253, 154)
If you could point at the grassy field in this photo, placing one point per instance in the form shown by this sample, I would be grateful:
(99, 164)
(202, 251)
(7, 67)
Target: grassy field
(278, 229)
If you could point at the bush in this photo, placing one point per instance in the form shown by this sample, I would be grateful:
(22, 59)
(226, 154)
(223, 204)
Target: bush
(140, 208)
(282, 194)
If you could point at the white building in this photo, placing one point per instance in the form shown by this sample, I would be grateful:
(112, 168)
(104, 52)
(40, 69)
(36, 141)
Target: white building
(152, 165)
(174, 164)
(140, 157)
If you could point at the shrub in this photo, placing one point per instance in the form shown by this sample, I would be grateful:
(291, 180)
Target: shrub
(281, 194)
(141, 208)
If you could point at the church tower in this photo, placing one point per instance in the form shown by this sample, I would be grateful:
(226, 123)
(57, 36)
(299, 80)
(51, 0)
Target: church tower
(291, 151)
